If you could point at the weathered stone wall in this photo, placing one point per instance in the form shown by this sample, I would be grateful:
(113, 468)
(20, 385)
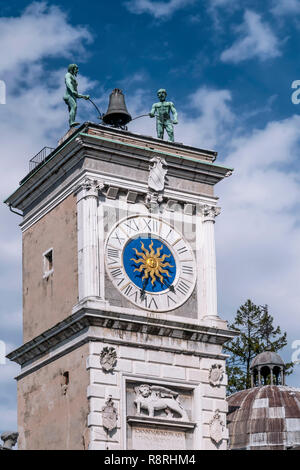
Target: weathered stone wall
(51, 416)
(49, 300)
(166, 368)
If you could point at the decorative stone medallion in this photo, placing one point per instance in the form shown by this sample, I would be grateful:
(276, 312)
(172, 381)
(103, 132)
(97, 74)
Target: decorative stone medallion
(109, 415)
(216, 427)
(216, 375)
(108, 358)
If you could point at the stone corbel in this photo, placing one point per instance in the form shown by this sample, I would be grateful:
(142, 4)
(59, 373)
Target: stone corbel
(112, 192)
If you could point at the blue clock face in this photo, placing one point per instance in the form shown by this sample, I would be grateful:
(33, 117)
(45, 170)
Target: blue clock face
(149, 263)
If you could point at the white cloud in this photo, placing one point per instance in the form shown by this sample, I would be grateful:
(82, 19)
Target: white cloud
(212, 121)
(258, 234)
(39, 32)
(34, 116)
(159, 10)
(257, 40)
(286, 7)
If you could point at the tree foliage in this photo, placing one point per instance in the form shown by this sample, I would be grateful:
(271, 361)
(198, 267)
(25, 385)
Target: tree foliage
(256, 334)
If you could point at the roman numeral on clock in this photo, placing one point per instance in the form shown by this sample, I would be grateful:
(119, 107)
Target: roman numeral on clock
(127, 289)
(116, 272)
(118, 275)
(118, 238)
(153, 304)
(114, 256)
(182, 250)
(182, 287)
(114, 253)
(187, 269)
(151, 225)
(170, 301)
(132, 225)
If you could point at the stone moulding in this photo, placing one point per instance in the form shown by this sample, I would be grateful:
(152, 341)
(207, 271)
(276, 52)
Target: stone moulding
(80, 143)
(162, 422)
(79, 322)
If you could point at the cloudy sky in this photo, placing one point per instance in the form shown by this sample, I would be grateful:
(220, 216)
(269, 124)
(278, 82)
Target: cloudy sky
(228, 66)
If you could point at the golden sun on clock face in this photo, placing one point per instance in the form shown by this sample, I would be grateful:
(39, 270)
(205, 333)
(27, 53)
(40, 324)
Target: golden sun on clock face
(150, 263)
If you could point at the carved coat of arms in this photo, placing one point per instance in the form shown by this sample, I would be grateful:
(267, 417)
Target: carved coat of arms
(216, 375)
(157, 398)
(216, 427)
(109, 415)
(108, 358)
(156, 180)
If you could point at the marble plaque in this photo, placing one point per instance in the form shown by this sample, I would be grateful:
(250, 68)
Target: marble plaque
(147, 438)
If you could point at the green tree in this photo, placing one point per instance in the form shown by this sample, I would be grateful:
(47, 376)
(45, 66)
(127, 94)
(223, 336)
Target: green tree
(256, 334)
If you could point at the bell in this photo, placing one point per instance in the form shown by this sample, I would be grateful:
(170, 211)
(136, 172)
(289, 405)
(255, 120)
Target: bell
(116, 114)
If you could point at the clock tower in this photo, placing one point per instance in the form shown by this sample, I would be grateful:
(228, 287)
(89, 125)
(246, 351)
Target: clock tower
(122, 344)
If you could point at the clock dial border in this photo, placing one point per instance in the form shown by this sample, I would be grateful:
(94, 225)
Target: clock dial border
(184, 282)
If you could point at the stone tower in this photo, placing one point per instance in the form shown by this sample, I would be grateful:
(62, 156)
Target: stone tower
(122, 345)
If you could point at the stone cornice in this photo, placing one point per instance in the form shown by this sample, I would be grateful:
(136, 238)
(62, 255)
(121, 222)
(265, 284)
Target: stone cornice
(178, 165)
(83, 145)
(78, 324)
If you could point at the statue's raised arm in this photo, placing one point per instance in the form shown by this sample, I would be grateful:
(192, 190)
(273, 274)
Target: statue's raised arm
(71, 94)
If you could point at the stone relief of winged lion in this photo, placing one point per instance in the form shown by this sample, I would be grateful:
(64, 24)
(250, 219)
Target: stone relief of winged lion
(157, 398)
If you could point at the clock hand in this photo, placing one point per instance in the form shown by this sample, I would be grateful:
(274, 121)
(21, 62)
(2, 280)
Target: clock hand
(170, 286)
(143, 289)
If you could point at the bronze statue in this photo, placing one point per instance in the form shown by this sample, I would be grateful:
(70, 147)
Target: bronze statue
(162, 112)
(71, 94)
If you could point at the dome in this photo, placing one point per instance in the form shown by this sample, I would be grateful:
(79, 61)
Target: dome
(265, 418)
(267, 358)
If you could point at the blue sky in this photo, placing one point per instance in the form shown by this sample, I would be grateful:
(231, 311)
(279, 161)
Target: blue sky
(228, 66)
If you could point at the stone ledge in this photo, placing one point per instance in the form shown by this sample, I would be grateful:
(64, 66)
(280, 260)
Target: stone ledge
(161, 422)
(85, 317)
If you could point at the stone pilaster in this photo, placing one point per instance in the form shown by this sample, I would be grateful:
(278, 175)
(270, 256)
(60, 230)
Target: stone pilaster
(209, 278)
(88, 239)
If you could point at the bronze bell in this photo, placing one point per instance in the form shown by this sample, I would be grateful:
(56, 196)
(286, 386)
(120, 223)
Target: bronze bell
(116, 114)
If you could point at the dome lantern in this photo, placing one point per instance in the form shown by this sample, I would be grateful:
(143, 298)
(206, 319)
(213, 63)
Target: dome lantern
(267, 368)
